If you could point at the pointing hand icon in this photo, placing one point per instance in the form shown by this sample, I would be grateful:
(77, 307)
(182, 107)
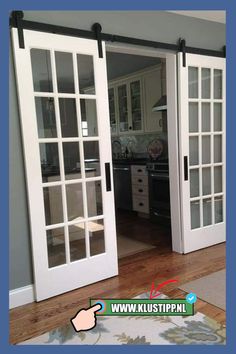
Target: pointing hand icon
(85, 319)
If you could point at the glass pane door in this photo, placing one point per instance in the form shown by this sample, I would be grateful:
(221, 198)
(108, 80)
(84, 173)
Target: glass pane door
(136, 112)
(205, 145)
(123, 108)
(112, 110)
(65, 119)
(202, 115)
(72, 162)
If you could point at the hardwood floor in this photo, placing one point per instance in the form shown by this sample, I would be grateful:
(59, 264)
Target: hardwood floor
(136, 274)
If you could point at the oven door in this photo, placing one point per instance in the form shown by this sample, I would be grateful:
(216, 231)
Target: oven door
(159, 194)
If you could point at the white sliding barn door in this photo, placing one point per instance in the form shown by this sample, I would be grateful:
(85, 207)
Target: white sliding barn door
(67, 149)
(202, 150)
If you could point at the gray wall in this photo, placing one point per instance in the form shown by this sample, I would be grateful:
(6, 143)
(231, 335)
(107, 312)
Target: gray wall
(157, 26)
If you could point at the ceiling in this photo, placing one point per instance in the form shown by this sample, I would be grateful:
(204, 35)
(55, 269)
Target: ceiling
(119, 64)
(215, 16)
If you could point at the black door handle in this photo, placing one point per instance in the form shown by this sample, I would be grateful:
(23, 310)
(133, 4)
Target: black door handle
(186, 168)
(108, 176)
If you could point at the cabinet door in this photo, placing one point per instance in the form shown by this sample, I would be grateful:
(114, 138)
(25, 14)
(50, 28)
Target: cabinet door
(123, 108)
(112, 110)
(152, 89)
(136, 105)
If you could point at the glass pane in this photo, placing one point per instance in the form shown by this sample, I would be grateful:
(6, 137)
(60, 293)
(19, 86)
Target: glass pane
(217, 117)
(68, 117)
(193, 117)
(94, 198)
(194, 183)
(218, 148)
(49, 162)
(206, 83)
(193, 151)
(74, 198)
(195, 214)
(91, 158)
(77, 242)
(111, 97)
(123, 108)
(56, 247)
(136, 105)
(206, 117)
(207, 213)
(206, 181)
(218, 179)
(46, 121)
(71, 160)
(206, 149)
(96, 237)
(218, 209)
(86, 74)
(53, 205)
(217, 84)
(65, 74)
(192, 82)
(89, 117)
(41, 69)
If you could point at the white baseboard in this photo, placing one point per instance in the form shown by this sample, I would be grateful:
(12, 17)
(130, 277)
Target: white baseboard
(21, 296)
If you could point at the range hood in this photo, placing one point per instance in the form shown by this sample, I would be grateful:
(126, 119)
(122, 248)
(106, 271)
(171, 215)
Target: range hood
(160, 105)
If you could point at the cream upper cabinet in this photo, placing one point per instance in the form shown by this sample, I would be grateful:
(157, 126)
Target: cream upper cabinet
(112, 110)
(131, 99)
(152, 93)
(130, 107)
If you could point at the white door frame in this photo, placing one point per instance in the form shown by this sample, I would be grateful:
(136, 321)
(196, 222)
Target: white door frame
(173, 132)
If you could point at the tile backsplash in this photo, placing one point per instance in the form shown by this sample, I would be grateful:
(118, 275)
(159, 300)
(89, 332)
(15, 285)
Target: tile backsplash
(137, 144)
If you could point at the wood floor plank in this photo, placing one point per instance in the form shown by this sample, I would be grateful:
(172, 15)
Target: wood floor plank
(136, 274)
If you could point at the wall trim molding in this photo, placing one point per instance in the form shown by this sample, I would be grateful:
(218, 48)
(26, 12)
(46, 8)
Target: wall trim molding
(21, 296)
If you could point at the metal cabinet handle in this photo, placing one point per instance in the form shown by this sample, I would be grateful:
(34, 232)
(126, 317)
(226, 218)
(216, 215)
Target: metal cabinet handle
(159, 176)
(121, 168)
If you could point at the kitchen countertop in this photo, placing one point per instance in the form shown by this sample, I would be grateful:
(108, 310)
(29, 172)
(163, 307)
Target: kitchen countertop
(138, 161)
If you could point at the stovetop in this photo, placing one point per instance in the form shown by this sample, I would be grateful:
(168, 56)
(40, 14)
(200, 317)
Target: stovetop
(161, 165)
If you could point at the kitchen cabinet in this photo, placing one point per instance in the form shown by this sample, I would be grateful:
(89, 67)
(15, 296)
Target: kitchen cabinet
(140, 194)
(126, 109)
(131, 99)
(112, 110)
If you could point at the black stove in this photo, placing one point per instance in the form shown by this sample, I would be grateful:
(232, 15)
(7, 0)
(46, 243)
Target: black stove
(161, 166)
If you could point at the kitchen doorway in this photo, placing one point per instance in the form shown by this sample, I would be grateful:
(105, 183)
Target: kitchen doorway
(139, 139)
